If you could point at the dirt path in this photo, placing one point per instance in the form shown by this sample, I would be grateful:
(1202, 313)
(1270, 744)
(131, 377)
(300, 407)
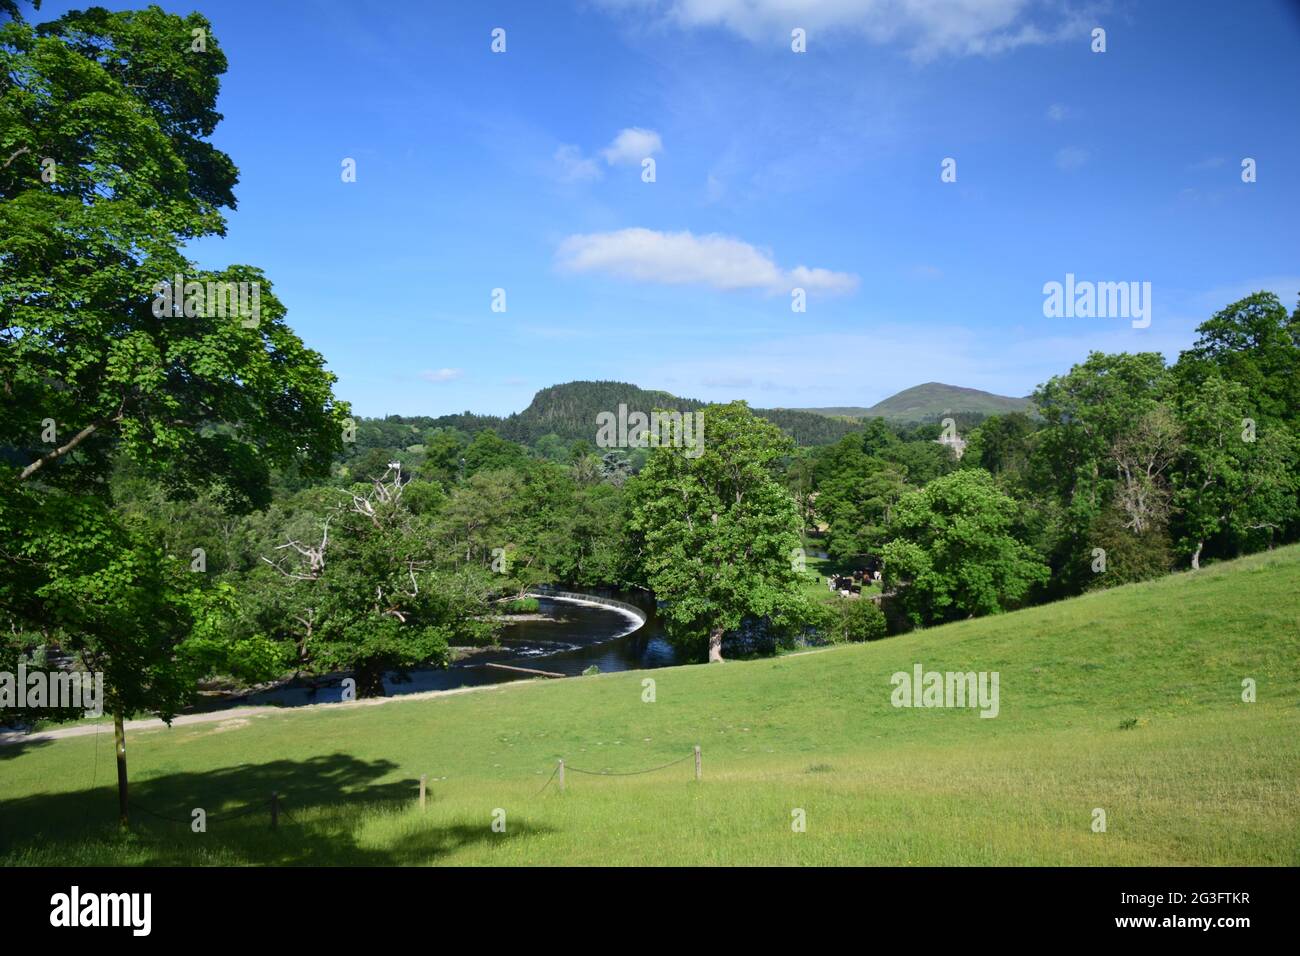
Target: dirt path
(234, 713)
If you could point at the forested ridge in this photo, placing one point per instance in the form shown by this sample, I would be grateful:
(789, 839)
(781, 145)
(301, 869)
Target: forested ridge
(569, 412)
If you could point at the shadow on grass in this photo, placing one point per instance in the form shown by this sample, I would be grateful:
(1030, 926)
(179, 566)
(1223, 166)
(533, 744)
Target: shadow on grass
(17, 748)
(324, 802)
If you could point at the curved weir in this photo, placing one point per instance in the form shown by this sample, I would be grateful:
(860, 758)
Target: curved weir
(578, 631)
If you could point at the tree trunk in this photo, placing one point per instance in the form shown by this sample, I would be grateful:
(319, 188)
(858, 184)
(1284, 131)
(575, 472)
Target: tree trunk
(715, 645)
(369, 676)
(119, 739)
(1196, 556)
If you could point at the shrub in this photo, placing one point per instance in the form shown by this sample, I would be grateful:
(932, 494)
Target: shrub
(1129, 557)
(522, 606)
(864, 621)
(851, 619)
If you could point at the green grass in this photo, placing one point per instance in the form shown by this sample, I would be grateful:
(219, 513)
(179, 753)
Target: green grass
(521, 606)
(1128, 700)
(815, 573)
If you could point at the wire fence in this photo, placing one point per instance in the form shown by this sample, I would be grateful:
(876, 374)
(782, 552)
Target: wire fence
(554, 774)
(252, 808)
(275, 805)
(630, 773)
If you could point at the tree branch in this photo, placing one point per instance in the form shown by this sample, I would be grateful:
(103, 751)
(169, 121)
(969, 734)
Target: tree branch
(25, 149)
(62, 450)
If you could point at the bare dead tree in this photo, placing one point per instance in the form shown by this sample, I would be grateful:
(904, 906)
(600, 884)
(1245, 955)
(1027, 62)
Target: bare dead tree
(384, 490)
(1141, 456)
(313, 566)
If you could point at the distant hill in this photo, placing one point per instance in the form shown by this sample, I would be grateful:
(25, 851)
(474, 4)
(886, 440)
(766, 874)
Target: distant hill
(931, 402)
(570, 411)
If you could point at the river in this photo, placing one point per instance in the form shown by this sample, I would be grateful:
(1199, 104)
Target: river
(575, 636)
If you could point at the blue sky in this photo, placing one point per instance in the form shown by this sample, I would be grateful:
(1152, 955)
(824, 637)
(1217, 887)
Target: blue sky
(478, 171)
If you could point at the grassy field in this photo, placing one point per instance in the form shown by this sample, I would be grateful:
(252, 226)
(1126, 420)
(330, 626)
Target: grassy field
(814, 579)
(1126, 700)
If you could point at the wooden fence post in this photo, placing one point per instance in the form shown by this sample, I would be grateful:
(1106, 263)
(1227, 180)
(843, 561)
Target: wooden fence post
(275, 809)
(561, 776)
(699, 772)
(424, 777)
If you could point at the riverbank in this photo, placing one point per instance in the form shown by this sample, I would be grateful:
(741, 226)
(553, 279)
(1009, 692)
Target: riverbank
(577, 630)
(239, 715)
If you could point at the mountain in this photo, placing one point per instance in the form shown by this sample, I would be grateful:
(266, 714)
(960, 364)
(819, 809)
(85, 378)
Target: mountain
(931, 402)
(569, 411)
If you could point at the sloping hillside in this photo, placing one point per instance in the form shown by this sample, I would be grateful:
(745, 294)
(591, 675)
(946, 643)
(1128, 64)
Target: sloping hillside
(1126, 701)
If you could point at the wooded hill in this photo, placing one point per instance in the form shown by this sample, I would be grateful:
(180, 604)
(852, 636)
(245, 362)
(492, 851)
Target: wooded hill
(569, 411)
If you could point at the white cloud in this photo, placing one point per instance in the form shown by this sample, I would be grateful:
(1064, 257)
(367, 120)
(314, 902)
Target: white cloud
(821, 280)
(680, 258)
(1057, 112)
(632, 145)
(1072, 157)
(441, 375)
(574, 167)
(928, 28)
(629, 147)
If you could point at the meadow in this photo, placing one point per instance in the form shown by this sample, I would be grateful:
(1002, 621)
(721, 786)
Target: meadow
(1127, 700)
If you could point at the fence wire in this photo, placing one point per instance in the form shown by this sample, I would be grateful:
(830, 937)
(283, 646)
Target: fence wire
(627, 773)
(283, 810)
(213, 817)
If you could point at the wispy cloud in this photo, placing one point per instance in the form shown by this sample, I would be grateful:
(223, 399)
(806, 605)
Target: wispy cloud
(850, 367)
(927, 28)
(1057, 112)
(628, 148)
(573, 167)
(860, 368)
(680, 258)
(631, 146)
(441, 375)
(1071, 158)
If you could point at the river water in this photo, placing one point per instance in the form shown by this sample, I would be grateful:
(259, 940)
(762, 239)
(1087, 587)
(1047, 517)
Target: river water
(574, 636)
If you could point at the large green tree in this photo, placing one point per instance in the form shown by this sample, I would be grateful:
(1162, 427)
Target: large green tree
(1255, 343)
(1001, 445)
(857, 503)
(718, 531)
(1237, 477)
(106, 171)
(1105, 424)
(955, 552)
(1238, 398)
